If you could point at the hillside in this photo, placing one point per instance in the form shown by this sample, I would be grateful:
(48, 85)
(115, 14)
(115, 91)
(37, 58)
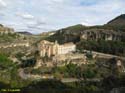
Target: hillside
(8, 35)
(73, 33)
(118, 21)
(6, 30)
(111, 34)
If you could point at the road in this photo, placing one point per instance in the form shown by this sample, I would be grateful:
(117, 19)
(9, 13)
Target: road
(69, 80)
(103, 55)
(25, 76)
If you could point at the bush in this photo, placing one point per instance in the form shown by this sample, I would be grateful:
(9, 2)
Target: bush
(5, 62)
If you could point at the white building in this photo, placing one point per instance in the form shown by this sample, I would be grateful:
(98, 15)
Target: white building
(66, 48)
(50, 48)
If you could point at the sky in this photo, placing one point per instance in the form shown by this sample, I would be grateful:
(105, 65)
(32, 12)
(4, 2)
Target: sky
(37, 16)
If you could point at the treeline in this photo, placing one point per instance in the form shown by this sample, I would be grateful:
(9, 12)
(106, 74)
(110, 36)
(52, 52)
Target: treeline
(56, 86)
(110, 47)
(72, 70)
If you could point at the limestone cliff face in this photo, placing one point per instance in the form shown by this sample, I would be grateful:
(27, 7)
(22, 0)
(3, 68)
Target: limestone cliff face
(6, 30)
(101, 34)
(88, 34)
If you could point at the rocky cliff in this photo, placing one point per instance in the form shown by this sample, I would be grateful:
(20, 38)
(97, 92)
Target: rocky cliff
(113, 30)
(6, 30)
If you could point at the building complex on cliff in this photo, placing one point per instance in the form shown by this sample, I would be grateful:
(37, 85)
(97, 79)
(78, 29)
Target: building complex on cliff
(47, 48)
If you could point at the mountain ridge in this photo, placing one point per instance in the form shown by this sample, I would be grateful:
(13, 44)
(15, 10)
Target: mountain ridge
(117, 21)
(73, 33)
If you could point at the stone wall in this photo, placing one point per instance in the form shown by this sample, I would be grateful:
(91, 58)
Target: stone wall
(69, 56)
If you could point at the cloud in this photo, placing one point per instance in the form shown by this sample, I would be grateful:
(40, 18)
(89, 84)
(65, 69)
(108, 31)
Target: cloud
(42, 15)
(25, 15)
(2, 3)
(36, 23)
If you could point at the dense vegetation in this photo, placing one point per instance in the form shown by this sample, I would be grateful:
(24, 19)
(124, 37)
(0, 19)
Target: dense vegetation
(9, 37)
(88, 72)
(8, 74)
(28, 63)
(4, 61)
(100, 77)
(74, 71)
(55, 86)
(109, 47)
(47, 86)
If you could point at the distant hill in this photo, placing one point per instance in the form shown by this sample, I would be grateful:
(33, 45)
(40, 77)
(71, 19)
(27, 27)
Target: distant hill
(118, 21)
(25, 33)
(8, 35)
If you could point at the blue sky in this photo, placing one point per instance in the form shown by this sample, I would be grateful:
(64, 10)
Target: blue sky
(38, 16)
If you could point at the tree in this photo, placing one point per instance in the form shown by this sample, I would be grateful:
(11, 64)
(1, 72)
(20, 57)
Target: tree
(5, 62)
